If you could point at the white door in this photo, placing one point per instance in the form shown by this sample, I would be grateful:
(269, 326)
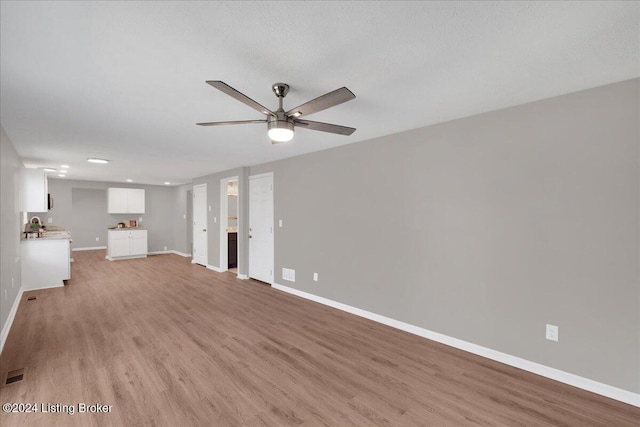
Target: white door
(261, 227)
(200, 224)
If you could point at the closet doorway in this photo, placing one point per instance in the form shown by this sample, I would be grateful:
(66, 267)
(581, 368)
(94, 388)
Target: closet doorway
(229, 215)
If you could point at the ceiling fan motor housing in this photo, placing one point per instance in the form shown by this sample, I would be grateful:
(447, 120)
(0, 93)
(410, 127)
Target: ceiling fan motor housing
(280, 89)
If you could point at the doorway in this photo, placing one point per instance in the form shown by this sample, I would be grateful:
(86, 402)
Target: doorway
(261, 227)
(200, 225)
(229, 221)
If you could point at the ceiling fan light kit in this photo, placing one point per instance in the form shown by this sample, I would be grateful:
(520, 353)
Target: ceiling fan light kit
(280, 124)
(280, 130)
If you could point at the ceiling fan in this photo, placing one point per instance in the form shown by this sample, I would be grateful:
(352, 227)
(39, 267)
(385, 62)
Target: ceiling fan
(280, 124)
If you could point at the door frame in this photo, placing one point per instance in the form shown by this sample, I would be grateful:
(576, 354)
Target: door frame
(273, 218)
(224, 213)
(206, 216)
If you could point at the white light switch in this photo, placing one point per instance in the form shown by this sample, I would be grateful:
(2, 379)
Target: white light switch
(209, 208)
(280, 223)
(288, 274)
(215, 219)
(315, 277)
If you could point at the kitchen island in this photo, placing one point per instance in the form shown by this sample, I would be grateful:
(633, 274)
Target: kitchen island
(46, 260)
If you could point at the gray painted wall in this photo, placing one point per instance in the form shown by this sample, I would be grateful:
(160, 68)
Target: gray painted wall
(10, 226)
(159, 219)
(89, 219)
(484, 229)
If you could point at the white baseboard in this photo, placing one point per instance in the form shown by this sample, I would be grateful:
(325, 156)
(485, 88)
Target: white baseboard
(214, 268)
(159, 252)
(536, 368)
(170, 251)
(12, 314)
(94, 248)
(242, 276)
(125, 257)
(57, 285)
(181, 254)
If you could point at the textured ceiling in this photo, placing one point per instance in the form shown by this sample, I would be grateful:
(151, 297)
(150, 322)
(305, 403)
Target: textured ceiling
(126, 80)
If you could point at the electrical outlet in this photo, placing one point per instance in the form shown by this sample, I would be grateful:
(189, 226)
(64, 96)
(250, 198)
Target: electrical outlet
(97, 239)
(184, 216)
(140, 219)
(552, 332)
(165, 248)
(49, 220)
(315, 277)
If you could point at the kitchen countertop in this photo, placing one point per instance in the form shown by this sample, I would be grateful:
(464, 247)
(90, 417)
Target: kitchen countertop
(127, 229)
(48, 235)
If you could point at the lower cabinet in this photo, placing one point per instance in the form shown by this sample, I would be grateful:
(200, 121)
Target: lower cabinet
(125, 243)
(45, 263)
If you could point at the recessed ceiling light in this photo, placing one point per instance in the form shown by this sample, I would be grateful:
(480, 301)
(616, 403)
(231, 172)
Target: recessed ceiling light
(167, 183)
(61, 175)
(50, 170)
(129, 180)
(96, 160)
(64, 166)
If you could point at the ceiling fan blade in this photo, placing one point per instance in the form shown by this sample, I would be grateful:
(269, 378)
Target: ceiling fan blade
(222, 86)
(235, 122)
(324, 127)
(323, 102)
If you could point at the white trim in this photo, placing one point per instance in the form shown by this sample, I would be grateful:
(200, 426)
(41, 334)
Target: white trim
(94, 248)
(60, 285)
(12, 314)
(170, 251)
(518, 362)
(126, 257)
(214, 268)
(242, 276)
(180, 253)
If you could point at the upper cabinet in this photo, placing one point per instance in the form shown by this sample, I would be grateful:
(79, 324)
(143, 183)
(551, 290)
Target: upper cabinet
(126, 200)
(34, 190)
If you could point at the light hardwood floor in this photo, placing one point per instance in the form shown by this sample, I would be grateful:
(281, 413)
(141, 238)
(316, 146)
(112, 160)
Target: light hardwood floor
(168, 343)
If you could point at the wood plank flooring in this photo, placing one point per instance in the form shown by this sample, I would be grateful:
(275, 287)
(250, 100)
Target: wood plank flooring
(168, 343)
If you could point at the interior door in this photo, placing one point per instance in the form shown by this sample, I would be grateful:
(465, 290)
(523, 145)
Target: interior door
(261, 227)
(200, 224)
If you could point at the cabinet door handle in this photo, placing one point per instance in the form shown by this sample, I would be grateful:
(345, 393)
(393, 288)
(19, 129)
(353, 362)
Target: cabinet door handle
(204, 229)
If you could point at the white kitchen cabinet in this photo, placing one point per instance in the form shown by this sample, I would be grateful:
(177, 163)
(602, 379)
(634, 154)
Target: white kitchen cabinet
(34, 190)
(45, 263)
(123, 244)
(126, 200)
